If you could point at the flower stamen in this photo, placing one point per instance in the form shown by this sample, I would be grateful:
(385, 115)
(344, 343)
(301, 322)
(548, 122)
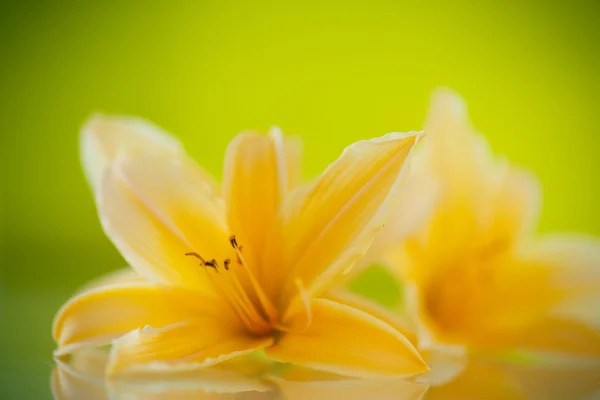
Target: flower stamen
(253, 308)
(268, 308)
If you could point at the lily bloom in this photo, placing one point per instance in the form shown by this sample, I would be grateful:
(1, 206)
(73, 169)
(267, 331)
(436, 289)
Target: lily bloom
(476, 276)
(223, 271)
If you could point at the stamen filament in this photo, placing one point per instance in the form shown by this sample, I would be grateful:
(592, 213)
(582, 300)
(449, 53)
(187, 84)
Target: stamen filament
(233, 305)
(268, 307)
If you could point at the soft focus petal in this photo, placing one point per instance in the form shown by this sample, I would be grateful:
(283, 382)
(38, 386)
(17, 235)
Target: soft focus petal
(103, 138)
(515, 205)
(293, 151)
(184, 346)
(346, 341)
(573, 261)
(455, 151)
(98, 316)
(341, 212)
(350, 390)
(412, 206)
(155, 214)
(256, 180)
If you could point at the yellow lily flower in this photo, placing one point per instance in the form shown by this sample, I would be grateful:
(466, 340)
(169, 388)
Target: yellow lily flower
(224, 271)
(475, 275)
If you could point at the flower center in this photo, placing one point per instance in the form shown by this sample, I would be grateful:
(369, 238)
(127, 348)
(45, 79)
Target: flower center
(237, 285)
(459, 292)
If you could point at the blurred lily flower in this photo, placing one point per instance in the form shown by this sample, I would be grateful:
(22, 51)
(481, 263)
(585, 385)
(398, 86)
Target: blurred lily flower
(475, 275)
(478, 285)
(223, 271)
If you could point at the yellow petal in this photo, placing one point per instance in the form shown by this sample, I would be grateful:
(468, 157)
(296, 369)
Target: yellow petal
(445, 362)
(573, 261)
(103, 138)
(192, 344)
(256, 179)
(412, 207)
(341, 212)
(393, 318)
(347, 341)
(514, 205)
(455, 151)
(350, 390)
(293, 150)
(98, 316)
(155, 213)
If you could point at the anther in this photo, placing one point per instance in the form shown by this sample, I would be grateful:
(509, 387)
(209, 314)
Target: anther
(227, 262)
(212, 263)
(233, 241)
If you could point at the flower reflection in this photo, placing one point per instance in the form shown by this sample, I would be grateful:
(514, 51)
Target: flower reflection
(569, 380)
(83, 378)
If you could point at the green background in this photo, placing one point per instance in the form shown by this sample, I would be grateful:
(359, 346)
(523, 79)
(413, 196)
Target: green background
(332, 72)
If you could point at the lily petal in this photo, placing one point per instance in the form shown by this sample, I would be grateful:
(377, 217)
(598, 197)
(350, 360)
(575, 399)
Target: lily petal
(351, 390)
(400, 322)
(455, 151)
(151, 223)
(192, 344)
(341, 212)
(98, 316)
(347, 341)
(515, 205)
(412, 206)
(445, 362)
(572, 259)
(103, 138)
(258, 171)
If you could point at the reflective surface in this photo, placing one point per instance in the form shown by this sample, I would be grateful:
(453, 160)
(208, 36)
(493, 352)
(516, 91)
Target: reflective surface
(84, 380)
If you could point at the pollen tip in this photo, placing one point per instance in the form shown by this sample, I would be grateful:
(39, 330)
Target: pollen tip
(233, 241)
